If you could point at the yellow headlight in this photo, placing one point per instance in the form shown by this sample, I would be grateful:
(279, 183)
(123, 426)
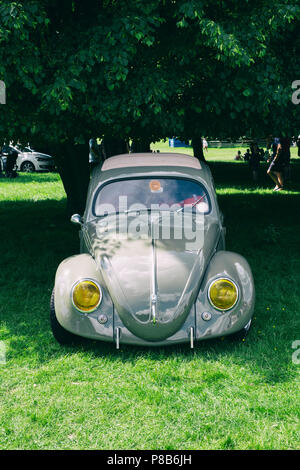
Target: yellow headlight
(86, 295)
(223, 294)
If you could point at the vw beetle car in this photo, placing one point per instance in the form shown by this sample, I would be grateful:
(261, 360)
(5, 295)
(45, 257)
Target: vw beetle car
(152, 268)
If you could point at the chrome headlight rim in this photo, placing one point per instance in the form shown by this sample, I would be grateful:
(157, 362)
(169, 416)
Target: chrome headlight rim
(237, 290)
(86, 312)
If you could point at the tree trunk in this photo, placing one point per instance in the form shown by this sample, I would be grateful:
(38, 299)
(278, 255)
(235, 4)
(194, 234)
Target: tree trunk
(113, 146)
(73, 167)
(140, 145)
(198, 149)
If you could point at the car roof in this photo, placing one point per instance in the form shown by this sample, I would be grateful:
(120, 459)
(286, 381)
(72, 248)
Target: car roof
(151, 159)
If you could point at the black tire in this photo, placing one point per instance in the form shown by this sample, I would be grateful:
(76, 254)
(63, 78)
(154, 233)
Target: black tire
(240, 335)
(28, 167)
(61, 335)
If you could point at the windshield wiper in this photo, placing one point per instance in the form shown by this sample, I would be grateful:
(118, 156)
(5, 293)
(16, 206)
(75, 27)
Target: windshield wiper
(193, 205)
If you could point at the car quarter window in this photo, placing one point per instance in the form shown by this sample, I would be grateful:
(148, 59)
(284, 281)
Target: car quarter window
(151, 193)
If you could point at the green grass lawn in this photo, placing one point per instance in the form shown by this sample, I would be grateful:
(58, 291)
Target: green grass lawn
(222, 395)
(212, 154)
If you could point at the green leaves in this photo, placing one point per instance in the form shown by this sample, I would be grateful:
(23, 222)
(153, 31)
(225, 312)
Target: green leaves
(247, 92)
(147, 67)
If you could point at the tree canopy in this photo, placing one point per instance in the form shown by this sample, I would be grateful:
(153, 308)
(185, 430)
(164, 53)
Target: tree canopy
(134, 69)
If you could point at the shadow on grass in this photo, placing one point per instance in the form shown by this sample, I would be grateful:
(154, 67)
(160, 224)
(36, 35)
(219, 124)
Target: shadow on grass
(36, 237)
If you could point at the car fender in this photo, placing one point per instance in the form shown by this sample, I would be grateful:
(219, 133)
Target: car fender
(225, 264)
(70, 271)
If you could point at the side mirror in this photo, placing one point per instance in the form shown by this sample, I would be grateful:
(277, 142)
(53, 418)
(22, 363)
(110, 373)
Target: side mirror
(76, 219)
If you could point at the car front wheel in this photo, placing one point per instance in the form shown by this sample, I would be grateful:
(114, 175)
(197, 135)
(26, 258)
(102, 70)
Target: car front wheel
(61, 335)
(27, 167)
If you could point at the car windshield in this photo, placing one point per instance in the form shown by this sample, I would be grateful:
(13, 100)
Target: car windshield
(170, 194)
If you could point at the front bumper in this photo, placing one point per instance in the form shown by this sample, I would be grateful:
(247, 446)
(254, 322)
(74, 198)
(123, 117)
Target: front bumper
(45, 167)
(196, 323)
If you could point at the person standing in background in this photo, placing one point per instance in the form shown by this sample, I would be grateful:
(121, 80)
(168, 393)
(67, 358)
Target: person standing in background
(274, 147)
(298, 145)
(276, 169)
(254, 161)
(238, 156)
(94, 154)
(247, 155)
(11, 163)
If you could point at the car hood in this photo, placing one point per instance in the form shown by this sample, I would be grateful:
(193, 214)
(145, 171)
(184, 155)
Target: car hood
(152, 267)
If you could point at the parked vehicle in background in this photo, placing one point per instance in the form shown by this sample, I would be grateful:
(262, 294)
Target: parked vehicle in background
(28, 159)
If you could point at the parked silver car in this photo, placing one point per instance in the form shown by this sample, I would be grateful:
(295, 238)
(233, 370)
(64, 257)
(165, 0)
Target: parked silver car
(153, 268)
(30, 160)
